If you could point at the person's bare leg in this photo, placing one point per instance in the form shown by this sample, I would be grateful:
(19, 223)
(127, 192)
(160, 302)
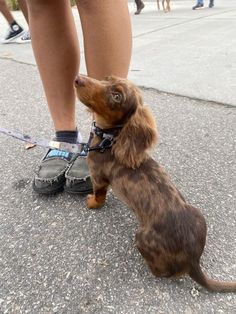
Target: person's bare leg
(58, 62)
(107, 37)
(107, 40)
(56, 50)
(6, 12)
(24, 9)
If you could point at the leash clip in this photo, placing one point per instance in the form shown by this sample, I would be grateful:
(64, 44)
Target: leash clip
(105, 144)
(101, 147)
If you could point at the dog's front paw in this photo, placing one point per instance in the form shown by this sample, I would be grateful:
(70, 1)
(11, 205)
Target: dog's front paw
(92, 202)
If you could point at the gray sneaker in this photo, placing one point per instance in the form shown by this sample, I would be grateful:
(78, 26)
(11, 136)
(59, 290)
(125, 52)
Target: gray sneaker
(50, 177)
(78, 178)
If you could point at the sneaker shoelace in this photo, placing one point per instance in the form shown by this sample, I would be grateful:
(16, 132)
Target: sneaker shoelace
(26, 36)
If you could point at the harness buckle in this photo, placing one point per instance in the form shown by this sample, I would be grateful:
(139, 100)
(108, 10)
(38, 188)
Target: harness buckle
(105, 144)
(101, 147)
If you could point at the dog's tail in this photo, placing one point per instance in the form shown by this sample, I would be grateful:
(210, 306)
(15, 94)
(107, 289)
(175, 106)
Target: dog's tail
(197, 274)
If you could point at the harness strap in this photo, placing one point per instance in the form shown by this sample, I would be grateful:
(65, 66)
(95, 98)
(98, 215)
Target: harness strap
(107, 137)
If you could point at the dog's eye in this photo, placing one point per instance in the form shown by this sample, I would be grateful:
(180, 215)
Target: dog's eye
(117, 97)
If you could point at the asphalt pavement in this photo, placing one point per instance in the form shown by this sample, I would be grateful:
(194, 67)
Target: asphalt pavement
(56, 256)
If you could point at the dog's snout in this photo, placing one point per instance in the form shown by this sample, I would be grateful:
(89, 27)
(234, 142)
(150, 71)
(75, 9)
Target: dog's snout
(79, 81)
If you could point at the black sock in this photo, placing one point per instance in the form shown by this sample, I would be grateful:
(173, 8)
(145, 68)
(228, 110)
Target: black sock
(67, 136)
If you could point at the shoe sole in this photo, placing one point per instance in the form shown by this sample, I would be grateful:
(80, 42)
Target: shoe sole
(12, 39)
(84, 192)
(48, 191)
(81, 188)
(23, 41)
(61, 188)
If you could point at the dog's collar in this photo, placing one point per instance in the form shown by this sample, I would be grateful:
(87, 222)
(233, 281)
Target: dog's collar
(107, 137)
(106, 133)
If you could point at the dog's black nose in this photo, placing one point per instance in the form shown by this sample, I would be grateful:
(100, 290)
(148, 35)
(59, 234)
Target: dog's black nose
(79, 81)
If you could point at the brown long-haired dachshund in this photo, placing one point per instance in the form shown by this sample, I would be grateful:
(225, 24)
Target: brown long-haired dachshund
(172, 233)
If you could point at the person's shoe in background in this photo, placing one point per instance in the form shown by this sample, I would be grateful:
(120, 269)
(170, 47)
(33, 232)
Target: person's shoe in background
(211, 4)
(15, 31)
(198, 6)
(140, 5)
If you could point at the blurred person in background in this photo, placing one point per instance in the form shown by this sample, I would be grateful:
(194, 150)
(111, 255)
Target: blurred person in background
(200, 4)
(140, 5)
(15, 33)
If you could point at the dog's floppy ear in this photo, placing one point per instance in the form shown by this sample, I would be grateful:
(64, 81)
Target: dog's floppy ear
(138, 135)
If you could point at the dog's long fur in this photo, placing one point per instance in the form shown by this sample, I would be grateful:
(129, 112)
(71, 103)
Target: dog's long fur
(172, 233)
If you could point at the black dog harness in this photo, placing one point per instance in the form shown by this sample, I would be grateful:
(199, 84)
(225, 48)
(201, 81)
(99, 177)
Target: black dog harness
(107, 137)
